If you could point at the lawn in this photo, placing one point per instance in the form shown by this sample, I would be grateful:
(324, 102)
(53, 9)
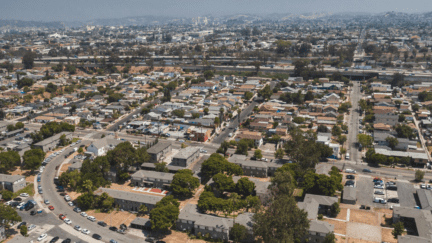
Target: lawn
(28, 189)
(74, 140)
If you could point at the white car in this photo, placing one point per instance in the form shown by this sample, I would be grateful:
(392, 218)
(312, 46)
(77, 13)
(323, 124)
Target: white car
(42, 237)
(83, 214)
(67, 198)
(423, 186)
(24, 195)
(67, 221)
(91, 218)
(70, 204)
(20, 205)
(77, 227)
(85, 231)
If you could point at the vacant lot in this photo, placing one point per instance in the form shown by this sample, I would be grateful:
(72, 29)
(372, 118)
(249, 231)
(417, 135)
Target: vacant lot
(386, 235)
(353, 240)
(363, 232)
(117, 218)
(364, 217)
(340, 227)
(176, 236)
(343, 214)
(98, 216)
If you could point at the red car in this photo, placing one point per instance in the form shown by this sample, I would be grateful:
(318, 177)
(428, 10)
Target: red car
(51, 208)
(61, 216)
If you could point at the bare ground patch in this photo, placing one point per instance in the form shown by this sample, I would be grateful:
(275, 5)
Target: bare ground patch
(340, 227)
(353, 240)
(364, 217)
(98, 216)
(386, 235)
(342, 214)
(363, 232)
(117, 218)
(176, 236)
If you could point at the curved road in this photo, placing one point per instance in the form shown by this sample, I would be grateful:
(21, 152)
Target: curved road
(61, 207)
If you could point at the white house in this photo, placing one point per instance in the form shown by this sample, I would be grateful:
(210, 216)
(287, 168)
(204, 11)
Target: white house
(101, 146)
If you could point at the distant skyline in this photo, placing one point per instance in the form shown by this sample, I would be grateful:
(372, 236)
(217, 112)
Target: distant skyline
(85, 10)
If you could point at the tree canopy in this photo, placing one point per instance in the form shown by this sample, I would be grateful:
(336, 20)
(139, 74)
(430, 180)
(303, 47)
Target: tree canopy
(164, 214)
(184, 183)
(218, 164)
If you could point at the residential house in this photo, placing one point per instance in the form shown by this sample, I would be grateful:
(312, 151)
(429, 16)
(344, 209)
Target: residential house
(256, 136)
(52, 142)
(317, 204)
(386, 116)
(145, 178)
(186, 156)
(12, 183)
(73, 120)
(101, 146)
(200, 134)
(159, 150)
(349, 195)
(253, 167)
(130, 201)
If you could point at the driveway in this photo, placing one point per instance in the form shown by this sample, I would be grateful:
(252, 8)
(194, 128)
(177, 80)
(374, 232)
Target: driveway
(50, 193)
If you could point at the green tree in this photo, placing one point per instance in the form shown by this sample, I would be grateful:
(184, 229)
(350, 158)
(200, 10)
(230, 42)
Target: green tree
(215, 164)
(208, 74)
(23, 230)
(399, 228)
(179, 113)
(242, 147)
(330, 238)
(238, 232)
(404, 131)
(164, 214)
(8, 160)
(161, 167)
(32, 159)
(8, 215)
(248, 95)
(245, 187)
(7, 195)
(206, 111)
(105, 201)
(184, 183)
(336, 131)
(258, 154)
(28, 59)
(86, 200)
(279, 154)
(335, 209)
(322, 128)
(419, 174)
(364, 140)
(25, 82)
(223, 183)
(266, 92)
(282, 47)
(392, 142)
(142, 209)
(281, 220)
(342, 139)
(298, 120)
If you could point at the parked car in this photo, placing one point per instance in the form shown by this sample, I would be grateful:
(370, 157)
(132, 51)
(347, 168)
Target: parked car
(47, 202)
(77, 227)
(62, 217)
(66, 241)
(378, 187)
(84, 214)
(42, 237)
(67, 221)
(350, 177)
(33, 212)
(102, 223)
(367, 170)
(112, 228)
(24, 195)
(51, 207)
(393, 200)
(97, 237)
(379, 192)
(91, 218)
(379, 200)
(55, 239)
(31, 227)
(85, 231)
(77, 210)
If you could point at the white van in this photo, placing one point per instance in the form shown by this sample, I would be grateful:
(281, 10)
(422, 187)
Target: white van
(350, 171)
(347, 156)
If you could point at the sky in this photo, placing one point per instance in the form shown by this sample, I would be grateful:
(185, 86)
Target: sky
(84, 10)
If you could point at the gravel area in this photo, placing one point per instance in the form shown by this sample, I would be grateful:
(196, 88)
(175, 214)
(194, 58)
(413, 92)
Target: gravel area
(363, 232)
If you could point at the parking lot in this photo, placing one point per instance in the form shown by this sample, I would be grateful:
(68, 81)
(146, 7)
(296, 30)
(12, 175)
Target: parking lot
(406, 192)
(365, 190)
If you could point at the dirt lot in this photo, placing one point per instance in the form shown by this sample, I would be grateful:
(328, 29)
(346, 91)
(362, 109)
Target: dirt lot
(342, 214)
(98, 216)
(364, 217)
(73, 195)
(117, 218)
(340, 227)
(364, 231)
(64, 168)
(387, 236)
(175, 237)
(353, 240)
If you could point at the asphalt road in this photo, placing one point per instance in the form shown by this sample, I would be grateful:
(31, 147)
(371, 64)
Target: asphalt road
(353, 126)
(50, 193)
(235, 122)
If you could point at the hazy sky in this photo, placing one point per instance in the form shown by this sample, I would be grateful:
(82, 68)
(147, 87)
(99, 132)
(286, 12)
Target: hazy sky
(70, 10)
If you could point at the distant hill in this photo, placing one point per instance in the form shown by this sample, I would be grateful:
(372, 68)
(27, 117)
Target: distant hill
(23, 24)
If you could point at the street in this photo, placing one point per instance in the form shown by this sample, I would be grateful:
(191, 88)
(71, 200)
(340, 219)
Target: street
(353, 126)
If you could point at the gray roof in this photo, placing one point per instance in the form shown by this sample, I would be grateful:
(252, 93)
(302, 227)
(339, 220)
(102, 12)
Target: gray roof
(413, 239)
(142, 222)
(51, 139)
(381, 136)
(185, 153)
(10, 178)
(246, 220)
(130, 196)
(312, 202)
(261, 187)
(158, 147)
(152, 174)
(99, 143)
(170, 167)
(425, 199)
(321, 226)
(414, 155)
(349, 193)
(422, 218)
(14, 132)
(190, 213)
(241, 160)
